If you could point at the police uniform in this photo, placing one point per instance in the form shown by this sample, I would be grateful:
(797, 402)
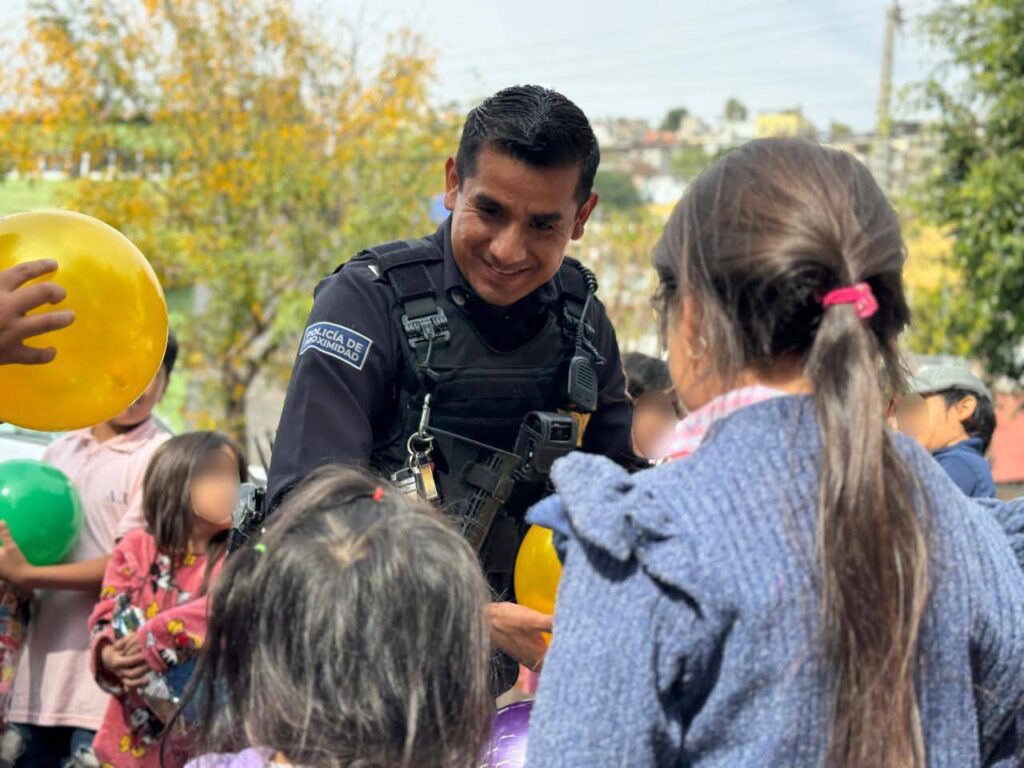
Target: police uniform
(400, 321)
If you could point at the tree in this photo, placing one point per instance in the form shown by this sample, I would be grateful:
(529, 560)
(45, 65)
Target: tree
(735, 111)
(616, 190)
(931, 283)
(838, 130)
(690, 160)
(674, 119)
(977, 194)
(619, 248)
(248, 156)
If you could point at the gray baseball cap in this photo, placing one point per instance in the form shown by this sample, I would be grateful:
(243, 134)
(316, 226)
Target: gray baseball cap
(932, 379)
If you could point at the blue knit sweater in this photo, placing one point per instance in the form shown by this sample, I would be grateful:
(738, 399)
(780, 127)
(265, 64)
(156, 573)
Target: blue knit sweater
(687, 629)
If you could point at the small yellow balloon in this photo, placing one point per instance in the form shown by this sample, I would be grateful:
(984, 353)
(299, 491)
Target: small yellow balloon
(538, 570)
(112, 351)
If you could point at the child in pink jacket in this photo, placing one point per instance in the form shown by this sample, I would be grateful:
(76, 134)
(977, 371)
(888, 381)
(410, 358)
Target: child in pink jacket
(152, 610)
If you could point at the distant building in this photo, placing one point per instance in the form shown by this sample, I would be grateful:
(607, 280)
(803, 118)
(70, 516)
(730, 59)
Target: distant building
(786, 123)
(693, 130)
(1007, 450)
(857, 144)
(656, 152)
(635, 148)
(729, 134)
(913, 148)
(648, 155)
(662, 189)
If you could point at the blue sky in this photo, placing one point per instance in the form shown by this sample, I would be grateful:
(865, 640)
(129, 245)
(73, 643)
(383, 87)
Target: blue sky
(642, 57)
(639, 58)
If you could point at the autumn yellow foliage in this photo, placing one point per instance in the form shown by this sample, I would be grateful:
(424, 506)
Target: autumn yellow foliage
(244, 146)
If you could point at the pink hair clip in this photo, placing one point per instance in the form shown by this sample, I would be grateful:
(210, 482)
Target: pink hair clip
(378, 494)
(860, 295)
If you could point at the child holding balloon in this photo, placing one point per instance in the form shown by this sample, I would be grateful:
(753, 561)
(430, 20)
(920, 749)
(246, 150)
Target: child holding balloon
(352, 633)
(56, 706)
(152, 610)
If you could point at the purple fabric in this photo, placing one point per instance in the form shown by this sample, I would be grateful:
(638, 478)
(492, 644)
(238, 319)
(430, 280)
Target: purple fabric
(249, 758)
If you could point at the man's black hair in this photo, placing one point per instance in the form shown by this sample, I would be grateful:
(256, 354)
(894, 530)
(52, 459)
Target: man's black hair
(536, 126)
(983, 422)
(170, 354)
(645, 374)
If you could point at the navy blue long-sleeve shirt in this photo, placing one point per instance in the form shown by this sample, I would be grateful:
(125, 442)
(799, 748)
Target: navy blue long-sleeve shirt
(966, 466)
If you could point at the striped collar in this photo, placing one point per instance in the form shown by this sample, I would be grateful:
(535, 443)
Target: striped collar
(690, 432)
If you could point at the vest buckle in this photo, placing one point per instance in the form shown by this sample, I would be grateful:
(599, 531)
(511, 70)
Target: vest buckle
(426, 329)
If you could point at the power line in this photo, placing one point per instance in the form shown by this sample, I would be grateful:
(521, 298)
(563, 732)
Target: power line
(619, 34)
(745, 39)
(731, 80)
(652, 69)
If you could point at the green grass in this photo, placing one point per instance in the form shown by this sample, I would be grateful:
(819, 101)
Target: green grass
(172, 408)
(24, 195)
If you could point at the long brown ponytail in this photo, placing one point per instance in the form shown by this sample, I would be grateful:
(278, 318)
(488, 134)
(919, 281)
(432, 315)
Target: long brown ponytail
(755, 244)
(873, 555)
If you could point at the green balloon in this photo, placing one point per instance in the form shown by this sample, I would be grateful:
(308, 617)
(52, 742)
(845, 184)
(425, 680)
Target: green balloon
(42, 509)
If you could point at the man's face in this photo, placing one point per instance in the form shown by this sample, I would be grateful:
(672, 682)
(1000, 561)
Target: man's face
(511, 224)
(140, 410)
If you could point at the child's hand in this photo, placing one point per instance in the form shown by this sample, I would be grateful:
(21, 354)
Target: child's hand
(123, 659)
(519, 631)
(13, 565)
(129, 645)
(17, 299)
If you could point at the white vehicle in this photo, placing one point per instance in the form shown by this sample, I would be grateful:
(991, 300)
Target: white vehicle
(18, 443)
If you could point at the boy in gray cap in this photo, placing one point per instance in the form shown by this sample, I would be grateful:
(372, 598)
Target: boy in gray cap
(950, 412)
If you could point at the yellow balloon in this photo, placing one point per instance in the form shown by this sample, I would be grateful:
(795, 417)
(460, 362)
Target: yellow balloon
(112, 351)
(538, 570)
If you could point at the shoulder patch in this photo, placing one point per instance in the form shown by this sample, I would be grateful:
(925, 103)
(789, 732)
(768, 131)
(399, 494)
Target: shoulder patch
(338, 342)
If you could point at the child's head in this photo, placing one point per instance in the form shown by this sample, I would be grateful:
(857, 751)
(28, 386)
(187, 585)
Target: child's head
(142, 408)
(190, 489)
(752, 248)
(655, 409)
(352, 634)
(947, 405)
(747, 259)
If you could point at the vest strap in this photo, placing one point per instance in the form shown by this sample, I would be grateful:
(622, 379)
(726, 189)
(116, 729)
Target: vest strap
(490, 481)
(403, 264)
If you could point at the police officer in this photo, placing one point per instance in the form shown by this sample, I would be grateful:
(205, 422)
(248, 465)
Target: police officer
(460, 365)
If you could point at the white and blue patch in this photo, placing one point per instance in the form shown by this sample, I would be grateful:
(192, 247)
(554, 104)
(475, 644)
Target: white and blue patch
(338, 342)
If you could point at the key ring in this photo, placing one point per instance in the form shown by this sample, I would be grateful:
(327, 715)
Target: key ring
(419, 447)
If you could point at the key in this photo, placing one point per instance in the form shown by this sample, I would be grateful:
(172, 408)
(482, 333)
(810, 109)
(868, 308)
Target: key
(426, 485)
(405, 481)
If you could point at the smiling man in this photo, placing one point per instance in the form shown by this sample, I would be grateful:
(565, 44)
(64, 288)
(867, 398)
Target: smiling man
(422, 359)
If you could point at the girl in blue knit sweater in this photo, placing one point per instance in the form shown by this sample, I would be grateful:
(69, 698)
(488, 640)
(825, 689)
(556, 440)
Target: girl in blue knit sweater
(800, 587)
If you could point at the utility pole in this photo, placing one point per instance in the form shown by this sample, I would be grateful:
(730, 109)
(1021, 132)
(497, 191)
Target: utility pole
(883, 132)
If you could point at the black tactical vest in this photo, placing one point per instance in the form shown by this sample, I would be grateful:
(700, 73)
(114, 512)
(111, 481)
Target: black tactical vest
(479, 395)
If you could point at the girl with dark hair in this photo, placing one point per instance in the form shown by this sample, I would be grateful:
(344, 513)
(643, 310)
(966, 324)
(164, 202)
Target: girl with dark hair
(152, 610)
(802, 587)
(352, 634)
(655, 409)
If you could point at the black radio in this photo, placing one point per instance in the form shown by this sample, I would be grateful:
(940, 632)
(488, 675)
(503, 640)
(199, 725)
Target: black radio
(249, 515)
(544, 437)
